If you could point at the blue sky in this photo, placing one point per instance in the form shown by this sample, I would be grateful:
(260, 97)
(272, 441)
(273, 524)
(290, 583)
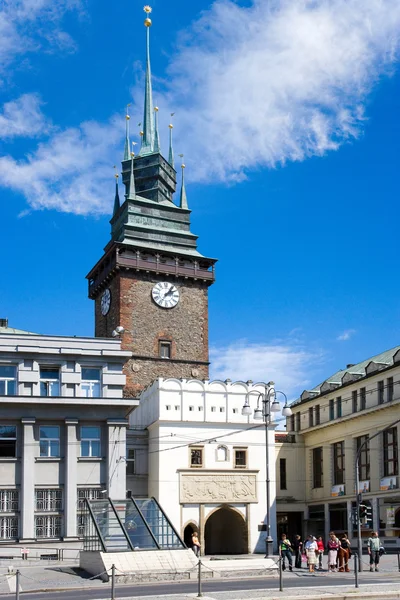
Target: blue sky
(288, 116)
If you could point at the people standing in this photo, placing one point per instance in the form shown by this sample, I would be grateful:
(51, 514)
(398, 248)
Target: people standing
(333, 546)
(298, 549)
(373, 546)
(311, 548)
(195, 543)
(285, 550)
(321, 550)
(344, 554)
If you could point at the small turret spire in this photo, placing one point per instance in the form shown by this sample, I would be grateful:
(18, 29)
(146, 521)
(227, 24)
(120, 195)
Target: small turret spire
(127, 144)
(156, 136)
(183, 201)
(148, 118)
(171, 151)
(117, 203)
(132, 189)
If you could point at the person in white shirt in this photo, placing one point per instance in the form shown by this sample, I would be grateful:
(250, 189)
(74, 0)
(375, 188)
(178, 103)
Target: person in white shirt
(311, 548)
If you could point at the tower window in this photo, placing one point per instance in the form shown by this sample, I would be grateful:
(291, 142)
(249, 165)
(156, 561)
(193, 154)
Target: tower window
(165, 349)
(196, 457)
(240, 458)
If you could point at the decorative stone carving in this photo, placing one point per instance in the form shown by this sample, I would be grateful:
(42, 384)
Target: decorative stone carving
(214, 487)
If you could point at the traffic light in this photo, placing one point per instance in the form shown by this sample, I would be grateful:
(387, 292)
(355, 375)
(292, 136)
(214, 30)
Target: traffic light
(369, 514)
(363, 512)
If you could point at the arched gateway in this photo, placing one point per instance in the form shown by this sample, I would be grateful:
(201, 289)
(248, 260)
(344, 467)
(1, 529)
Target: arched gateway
(226, 532)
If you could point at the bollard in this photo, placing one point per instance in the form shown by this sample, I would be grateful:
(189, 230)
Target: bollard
(280, 575)
(199, 594)
(356, 569)
(17, 574)
(398, 559)
(113, 582)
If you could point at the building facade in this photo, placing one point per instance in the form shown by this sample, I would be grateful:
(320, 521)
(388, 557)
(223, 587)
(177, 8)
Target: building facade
(205, 462)
(63, 422)
(329, 424)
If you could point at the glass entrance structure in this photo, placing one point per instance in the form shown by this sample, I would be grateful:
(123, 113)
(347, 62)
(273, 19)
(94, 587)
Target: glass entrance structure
(128, 525)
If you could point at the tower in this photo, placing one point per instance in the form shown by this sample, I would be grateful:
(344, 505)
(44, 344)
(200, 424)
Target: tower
(151, 279)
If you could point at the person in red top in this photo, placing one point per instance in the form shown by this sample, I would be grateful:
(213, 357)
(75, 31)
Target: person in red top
(321, 549)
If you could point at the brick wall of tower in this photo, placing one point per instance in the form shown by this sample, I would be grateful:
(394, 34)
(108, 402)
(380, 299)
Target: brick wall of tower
(186, 326)
(145, 323)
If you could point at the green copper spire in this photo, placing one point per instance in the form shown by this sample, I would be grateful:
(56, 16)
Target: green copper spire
(156, 136)
(117, 204)
(148, 117)
(171, 151)
(183, 201)
(132, 191)
(127, 144)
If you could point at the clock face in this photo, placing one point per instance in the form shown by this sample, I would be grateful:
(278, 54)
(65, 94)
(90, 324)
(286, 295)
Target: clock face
(165, 294)
(105, 302)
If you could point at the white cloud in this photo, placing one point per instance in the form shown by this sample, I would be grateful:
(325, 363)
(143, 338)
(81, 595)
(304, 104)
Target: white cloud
(252, 87)
(291, 367)
(70, 173)
(23, 117)
(33, 25)
(346, 335)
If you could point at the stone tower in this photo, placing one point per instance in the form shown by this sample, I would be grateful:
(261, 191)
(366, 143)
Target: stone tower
(151, 280)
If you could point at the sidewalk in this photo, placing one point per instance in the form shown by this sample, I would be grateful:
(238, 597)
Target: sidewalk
(57, 578)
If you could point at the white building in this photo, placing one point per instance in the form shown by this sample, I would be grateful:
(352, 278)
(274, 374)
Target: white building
(204, 461)
(63, 424)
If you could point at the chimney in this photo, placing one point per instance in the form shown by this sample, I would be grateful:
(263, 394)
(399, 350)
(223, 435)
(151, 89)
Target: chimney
(4, 323)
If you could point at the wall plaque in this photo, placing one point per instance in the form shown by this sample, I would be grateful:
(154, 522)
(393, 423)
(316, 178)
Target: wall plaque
(215, 487)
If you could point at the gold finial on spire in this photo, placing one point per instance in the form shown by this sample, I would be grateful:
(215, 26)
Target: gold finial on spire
(147, 9)
(127, 117)
(116, 174)
(156, 109)
(170, 125)
(183, 164)
(133, 146)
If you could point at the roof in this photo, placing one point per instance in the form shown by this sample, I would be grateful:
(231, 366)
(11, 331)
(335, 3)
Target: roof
(12, 330)
(352, 373)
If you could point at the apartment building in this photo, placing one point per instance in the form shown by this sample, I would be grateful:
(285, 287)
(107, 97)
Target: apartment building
(329, 424)
(63, 423)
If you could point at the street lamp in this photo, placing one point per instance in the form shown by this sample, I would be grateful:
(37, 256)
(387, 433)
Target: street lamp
(269, 405)
(358, 493)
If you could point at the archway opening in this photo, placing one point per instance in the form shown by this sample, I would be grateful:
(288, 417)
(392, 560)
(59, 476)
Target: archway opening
(187, 534)
(225, 533)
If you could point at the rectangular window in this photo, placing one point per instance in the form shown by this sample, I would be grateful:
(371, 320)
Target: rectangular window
(48, 527)
(165, 349)
(331, 410)
(338, 463)
(222, 409)
(291, 423)
(196, 457)
(49, 441)
(354, 398)
(8, 528)
(191, 408)
(48, 500)
(390, 388)
(89, 494)
(390, 453)
(317, 461)
(8, 380)
(317, 415)
(8, 441)
(381, 397)
(298, 421)
(213, 409)
(49, 381)
(9, 501)
(363, 398)
(240, 458)
(90, 385)
(282, 473)
(364, 457)
(338, 407)
(131, 461)
(90, 441)
(311, 417)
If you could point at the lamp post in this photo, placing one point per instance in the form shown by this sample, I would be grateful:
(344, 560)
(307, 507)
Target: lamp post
(269, 405)
(358, 493)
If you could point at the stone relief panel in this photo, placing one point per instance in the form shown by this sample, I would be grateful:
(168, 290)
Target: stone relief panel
(216, 487)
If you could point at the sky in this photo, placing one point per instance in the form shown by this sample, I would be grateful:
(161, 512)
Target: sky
(287, 113)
